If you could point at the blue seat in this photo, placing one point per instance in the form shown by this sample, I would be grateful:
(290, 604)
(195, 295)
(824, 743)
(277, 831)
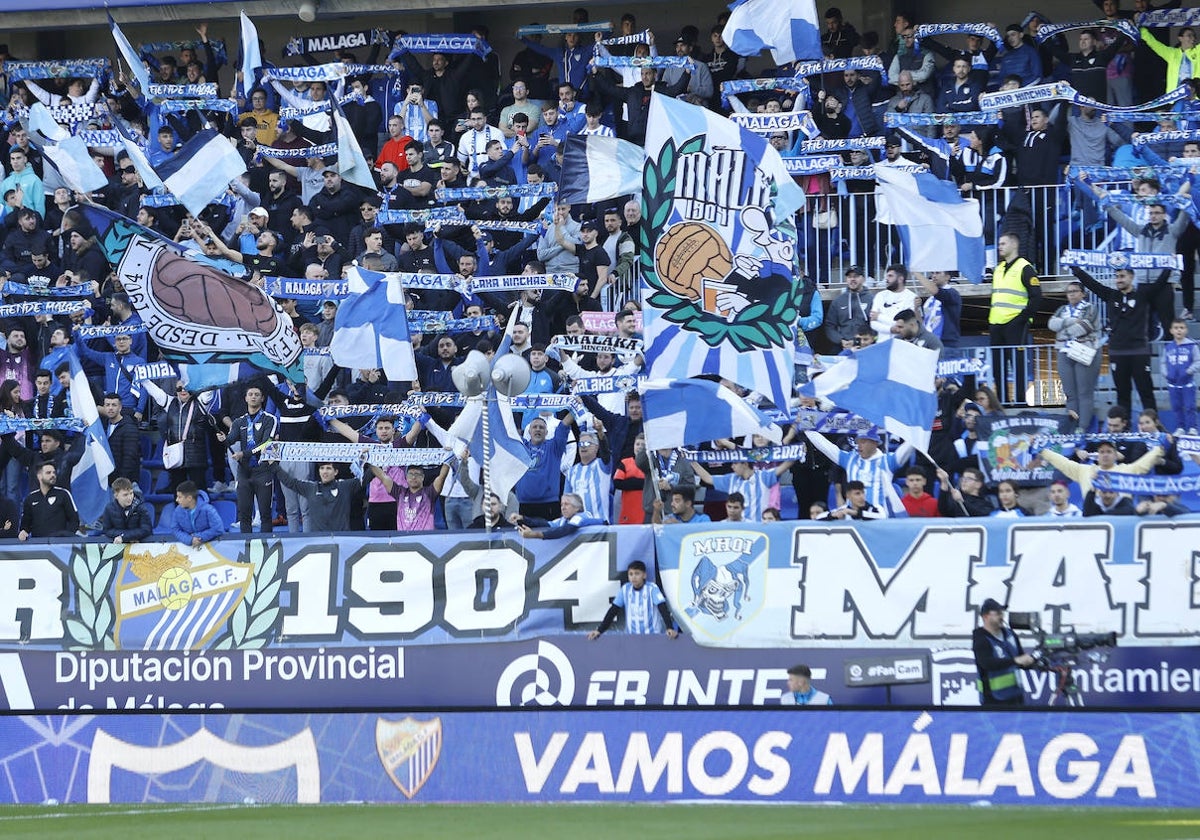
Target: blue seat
(158, 493)
(145, 482)
(228, 511)
(163, 526)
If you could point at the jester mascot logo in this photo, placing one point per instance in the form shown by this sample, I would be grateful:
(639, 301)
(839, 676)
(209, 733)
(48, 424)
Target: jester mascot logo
(722, 579)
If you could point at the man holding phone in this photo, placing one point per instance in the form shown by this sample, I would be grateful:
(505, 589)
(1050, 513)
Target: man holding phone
(522, 104)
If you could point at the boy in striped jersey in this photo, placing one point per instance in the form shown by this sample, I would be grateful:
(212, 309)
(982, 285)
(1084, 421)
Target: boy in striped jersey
(644, 605)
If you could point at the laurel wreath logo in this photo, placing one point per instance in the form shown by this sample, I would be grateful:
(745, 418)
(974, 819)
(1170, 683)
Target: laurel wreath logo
(93, 567)
(760, 326)
(253, 622)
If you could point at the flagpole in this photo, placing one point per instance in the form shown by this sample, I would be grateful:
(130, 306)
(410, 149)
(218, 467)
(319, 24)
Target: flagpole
(486, 466)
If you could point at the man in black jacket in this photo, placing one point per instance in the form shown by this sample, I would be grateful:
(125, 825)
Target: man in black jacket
(637, 98)
(255, 481)
(1128, 347)
(965, 500)
(50, 451)
(49, 511)
(122, 440)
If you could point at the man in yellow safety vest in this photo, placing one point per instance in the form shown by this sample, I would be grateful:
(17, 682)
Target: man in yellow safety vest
(1016, 292)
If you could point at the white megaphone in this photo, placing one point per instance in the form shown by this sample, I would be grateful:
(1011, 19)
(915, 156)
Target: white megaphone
(470, 377)
(511, 374)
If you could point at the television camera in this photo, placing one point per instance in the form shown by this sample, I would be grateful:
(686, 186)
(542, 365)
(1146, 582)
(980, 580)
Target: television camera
(1060, 652)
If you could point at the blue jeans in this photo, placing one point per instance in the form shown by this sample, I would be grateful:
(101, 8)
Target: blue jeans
(459, 511)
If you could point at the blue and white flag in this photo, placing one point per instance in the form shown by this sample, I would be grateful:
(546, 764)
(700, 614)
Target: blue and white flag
(679, 412)
(790, 29)
(69, 155)
(251, 58)
(371, 327)
(136, 66)
(890, 384)
(596, 168)
(718, 252)
(89, 477)
(352, 165)
(507, 456)
(941, 230)
(201, 171)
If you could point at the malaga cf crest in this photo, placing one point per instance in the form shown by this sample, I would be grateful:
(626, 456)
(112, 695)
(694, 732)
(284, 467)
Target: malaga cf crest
(409, 750)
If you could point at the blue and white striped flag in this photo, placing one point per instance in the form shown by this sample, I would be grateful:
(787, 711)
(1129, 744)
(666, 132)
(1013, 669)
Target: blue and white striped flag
(89, 477)
(136, 66)
(201, 171)
(890, 384)
(681, 412)
(596, 168)
(371, 327)
(251, 58)
(940, 230)
(788, 28)
(352, 165)
(718, 252)
(508, 457)
(69, 155)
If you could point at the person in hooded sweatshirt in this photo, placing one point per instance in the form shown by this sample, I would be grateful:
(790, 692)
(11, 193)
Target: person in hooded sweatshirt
(195, 521)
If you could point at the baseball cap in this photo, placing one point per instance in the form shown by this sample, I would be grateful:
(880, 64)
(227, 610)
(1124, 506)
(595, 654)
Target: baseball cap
(589, 224)
(971, 405)
(990, 605)
(870, 434)
(260, 211)
(854, 269)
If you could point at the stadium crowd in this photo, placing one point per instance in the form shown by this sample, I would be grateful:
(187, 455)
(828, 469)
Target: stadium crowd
(458, 121)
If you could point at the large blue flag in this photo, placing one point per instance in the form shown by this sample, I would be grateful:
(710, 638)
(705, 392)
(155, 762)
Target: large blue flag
(69, 155)
(195, 313)
(718, 252)
(596, 168)
(681, 412)
(201, 170)
(788, 28)
(136, 66)
(89, 477)
(370, 330)
(939, 229)
(890, 384)
(251, 57)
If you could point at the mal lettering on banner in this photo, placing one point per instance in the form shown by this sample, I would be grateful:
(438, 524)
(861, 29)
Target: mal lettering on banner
(824, 586)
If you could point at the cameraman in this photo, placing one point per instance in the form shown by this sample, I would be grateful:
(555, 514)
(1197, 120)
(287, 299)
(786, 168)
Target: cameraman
(998, 655)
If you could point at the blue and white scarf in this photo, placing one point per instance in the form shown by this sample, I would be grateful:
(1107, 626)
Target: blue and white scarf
(175, 106)
(756, 455)
(782, 121)
(1049, 30)
(63, 68)
(11, 288)
(798, 165)
(299, 288)
(453, 44)
(983, 30)
(204, 90)
(642, 37)
(99, 331)
(894, 119)
(563, 28)
(656, 61)
(547, 188)
(218, 48)
(1169, 17)
(324, 150)
(1145, 485)
(847, 144)
(1064, 91)
(1120, 259)
(313, 73)
(31, 308)
(1152, 138)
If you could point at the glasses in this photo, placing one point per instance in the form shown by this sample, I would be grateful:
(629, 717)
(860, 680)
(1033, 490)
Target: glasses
(179, 389)
(586, 445)
(129, 170)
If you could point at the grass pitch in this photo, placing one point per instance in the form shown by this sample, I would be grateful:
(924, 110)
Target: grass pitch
(588, 822)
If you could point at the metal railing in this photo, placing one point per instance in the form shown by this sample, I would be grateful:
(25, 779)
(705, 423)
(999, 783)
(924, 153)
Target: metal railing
(838, 230)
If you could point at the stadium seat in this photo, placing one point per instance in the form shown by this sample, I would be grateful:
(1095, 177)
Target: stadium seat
(158, 494)
(228, 511)
(789, 508)
(165, 518)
